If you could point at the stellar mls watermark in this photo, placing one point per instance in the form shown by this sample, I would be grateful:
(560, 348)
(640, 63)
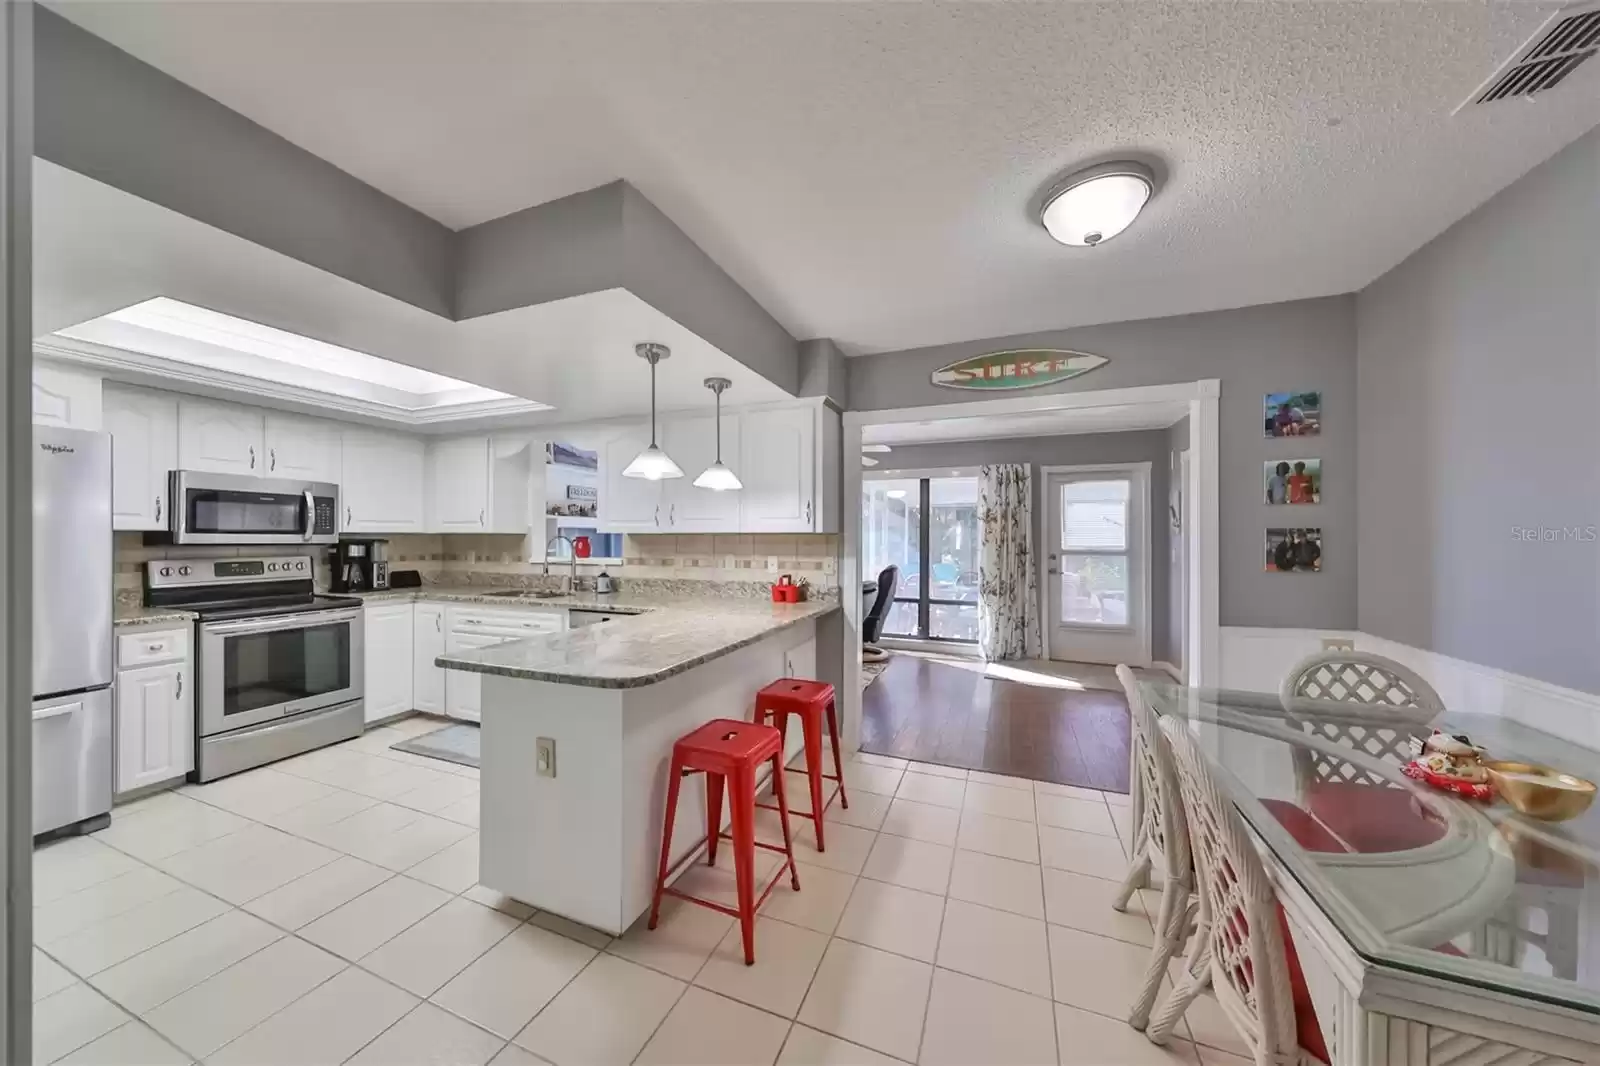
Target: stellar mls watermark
(1556, 534)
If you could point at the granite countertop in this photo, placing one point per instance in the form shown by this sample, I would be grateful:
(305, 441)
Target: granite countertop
(670, 636)
(618, 602)
(126, 617)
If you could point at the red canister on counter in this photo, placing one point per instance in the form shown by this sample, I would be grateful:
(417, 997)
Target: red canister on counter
(784, 590)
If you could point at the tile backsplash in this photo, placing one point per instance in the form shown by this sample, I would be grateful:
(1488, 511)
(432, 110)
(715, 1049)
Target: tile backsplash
(733, 557)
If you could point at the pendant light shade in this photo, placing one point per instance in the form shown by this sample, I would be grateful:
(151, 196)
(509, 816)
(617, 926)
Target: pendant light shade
(652, 464)
(717, 477)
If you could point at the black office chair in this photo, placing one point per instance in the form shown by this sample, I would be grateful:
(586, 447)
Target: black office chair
(872, 625)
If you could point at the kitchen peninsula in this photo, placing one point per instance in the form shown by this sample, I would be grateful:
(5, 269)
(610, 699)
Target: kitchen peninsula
(576, 830)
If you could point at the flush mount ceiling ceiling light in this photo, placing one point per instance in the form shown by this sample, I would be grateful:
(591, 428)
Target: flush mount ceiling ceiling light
(652, 464)
(1093, 205)
(717, 477)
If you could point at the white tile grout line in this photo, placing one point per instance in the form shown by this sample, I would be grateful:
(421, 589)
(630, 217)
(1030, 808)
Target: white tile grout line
(687, 984)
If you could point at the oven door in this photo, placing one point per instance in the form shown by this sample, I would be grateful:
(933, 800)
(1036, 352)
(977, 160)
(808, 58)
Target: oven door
(260, 670)
(233, 509)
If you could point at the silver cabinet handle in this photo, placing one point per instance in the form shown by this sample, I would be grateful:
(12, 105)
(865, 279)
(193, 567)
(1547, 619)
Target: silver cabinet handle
(154, 647)
(252, 457)
(274, 454)
(436, 627)
(480, 516)
(158, 508)
(347, 516)
(180, 686)
(658, 514)
(672, 515)
(808, 510)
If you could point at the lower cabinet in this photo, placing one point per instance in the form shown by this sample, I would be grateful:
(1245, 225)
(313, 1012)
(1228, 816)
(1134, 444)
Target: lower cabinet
(387, 660)
(427, 644)
(154, 725)
(462, 687)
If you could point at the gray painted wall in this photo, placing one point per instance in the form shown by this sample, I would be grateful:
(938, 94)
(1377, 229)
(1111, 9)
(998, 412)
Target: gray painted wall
(1149, 446)
(824, 371)
(103, 113)
(1304, 344)
(1478, 374)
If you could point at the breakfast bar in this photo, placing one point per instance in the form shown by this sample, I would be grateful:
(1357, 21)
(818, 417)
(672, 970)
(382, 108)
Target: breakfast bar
(578, 729)
(1431, 928)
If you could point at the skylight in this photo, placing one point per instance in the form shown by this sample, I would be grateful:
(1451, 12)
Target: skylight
(184, 333)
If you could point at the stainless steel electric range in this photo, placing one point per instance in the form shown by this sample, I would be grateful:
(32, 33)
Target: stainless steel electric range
(278, 668)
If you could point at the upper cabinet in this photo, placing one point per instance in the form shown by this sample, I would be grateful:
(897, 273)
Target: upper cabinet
(692, 443)
(381, 480)
(480, 485)
(301, 449)
(223, 438)
(778, 465)
(63, 396)
(144, 448)
(627, 504)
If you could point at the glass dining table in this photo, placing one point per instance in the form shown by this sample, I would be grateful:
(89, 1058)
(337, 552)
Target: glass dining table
(1432, 928)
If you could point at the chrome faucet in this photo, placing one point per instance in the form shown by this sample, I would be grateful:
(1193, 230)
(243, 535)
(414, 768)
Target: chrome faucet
(572, 581)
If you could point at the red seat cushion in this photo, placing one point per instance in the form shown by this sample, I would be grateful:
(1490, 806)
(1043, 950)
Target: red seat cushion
(1307, 1030)
(1373, 818)
(1306, 830)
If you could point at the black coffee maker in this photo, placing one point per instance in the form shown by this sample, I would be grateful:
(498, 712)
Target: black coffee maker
(360, 565)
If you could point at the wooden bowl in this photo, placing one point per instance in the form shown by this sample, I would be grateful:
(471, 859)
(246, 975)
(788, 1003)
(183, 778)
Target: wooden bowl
(1540, 792)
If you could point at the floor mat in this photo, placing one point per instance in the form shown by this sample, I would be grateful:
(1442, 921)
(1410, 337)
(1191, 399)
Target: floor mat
(453, 743)
(871, 671)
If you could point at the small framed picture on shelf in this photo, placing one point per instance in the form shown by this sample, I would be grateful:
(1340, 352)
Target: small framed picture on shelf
(1294, 414)
(1294, 551)
(1292, 480)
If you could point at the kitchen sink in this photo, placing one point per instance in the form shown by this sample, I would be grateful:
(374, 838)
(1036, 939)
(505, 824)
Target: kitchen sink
(523, 594)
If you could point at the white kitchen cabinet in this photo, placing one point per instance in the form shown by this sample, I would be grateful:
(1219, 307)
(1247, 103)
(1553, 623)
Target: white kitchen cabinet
(467, 628)
(144, 448)
(778, 464)
(223, 438)
(154, 727)
(388, 668)
(692, 443)
(463, 688)
(65, 396)
(427, 644)
(302, 449)
(381, 482)
(458, 480)
(626, 504)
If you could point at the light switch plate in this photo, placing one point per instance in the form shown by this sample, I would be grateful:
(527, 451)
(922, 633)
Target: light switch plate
(544, 757)
(772, 564)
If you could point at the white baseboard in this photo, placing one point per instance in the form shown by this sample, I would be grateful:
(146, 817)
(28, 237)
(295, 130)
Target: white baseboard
(1171, 671)
(1258, 659)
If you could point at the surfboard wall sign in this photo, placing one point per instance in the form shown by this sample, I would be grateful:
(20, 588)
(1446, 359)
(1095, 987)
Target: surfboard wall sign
(1021, 368)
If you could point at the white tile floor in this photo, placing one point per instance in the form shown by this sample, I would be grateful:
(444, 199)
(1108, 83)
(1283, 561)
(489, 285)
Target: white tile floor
(326, 910)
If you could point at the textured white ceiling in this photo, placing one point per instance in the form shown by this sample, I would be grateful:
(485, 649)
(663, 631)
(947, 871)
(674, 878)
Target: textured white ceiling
(865, 170)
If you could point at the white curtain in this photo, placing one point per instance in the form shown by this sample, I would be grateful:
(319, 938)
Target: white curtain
(1008, 582)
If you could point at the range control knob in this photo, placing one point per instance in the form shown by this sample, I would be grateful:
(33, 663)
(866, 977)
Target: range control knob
(301, 565)
(183, 571)
(272, 566)
(166, 571)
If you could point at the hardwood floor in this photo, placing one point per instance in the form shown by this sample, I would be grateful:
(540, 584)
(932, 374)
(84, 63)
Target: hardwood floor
(934, 712)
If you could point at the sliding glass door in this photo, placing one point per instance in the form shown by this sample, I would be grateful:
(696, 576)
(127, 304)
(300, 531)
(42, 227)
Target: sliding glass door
(928, 527)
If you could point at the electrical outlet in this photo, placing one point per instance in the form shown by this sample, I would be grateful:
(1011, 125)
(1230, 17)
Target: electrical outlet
(830, 566)
(544, 756)
(772, 564)
(1338, 644)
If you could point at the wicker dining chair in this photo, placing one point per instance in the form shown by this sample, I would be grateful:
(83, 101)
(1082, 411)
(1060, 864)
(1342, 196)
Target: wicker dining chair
(1245, 954)
(1159, 835)
(1347, 676)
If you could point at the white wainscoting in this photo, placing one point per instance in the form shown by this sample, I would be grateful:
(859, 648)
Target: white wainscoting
(1258, 659)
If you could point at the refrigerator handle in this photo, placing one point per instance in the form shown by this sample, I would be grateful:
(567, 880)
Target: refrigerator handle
(57, 711)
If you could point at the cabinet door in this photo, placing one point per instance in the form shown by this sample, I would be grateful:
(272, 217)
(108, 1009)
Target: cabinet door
(63, 396)
(155, 729)
(381, 481)
(387, 677)
(778, 466)
(427, 644)
(458, 485)
(462, 689)
(144, 447)
(302, 448)
(221, 437)
(627, 505)
(692, 443)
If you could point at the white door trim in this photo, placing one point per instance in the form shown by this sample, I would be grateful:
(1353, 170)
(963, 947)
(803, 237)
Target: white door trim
(1140, 473)
(1200, 525)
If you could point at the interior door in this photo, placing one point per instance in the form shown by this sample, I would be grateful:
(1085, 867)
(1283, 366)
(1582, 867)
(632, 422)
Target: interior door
(1097, 563)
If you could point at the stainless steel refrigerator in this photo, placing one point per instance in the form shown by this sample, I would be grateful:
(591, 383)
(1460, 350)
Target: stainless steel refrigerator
(72, 601)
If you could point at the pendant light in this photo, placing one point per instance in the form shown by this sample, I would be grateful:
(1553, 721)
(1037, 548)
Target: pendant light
(652, 464)
(717, 477)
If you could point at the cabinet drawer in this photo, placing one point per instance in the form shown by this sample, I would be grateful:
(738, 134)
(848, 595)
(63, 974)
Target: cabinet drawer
(141, 648)
(502, 622)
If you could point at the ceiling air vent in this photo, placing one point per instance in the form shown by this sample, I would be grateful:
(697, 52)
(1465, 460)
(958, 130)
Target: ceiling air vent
(1561, 45)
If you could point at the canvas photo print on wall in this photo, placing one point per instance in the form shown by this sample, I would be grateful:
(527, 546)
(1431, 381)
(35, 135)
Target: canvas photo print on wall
(1292, 480)
(1293, 414)
(1294, 550)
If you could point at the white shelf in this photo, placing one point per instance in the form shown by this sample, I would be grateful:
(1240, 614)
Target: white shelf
(572, 520)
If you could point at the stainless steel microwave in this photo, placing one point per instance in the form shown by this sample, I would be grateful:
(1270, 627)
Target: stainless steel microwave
(237, 509)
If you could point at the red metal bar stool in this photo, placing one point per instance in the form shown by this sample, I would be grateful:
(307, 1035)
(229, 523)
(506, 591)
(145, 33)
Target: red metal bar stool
(811, 700)
(730, 751)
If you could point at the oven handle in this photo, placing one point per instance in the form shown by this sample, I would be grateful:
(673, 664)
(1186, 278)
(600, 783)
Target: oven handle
(311, 516)
(286, 621)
